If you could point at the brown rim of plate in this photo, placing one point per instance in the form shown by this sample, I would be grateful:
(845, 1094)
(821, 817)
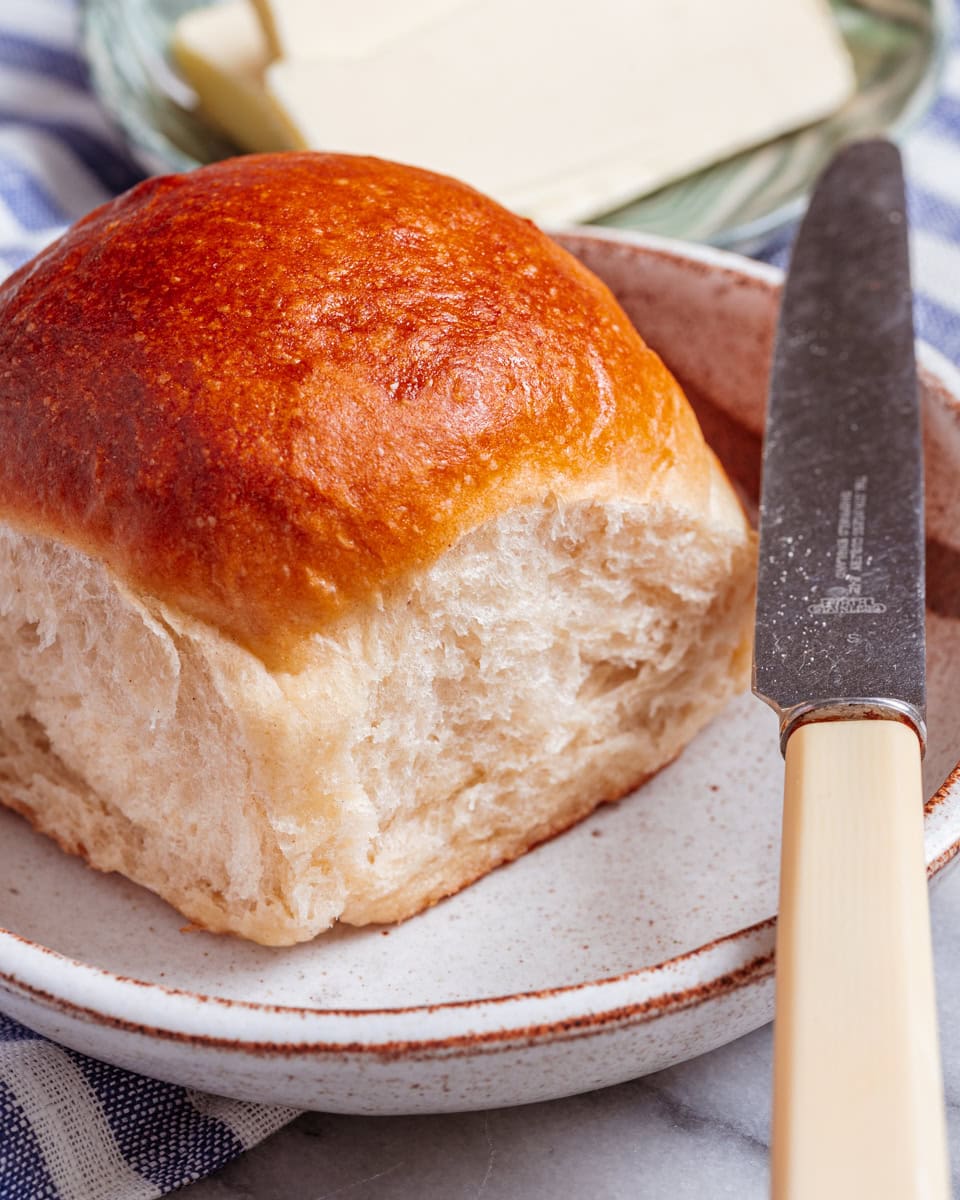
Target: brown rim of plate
(755, 970)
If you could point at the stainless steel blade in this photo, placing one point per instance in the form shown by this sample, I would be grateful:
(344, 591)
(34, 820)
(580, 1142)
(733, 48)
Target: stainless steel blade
(840, 602)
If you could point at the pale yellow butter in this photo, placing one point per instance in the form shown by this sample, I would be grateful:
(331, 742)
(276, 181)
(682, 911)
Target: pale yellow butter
(560, 110)
(308, 29)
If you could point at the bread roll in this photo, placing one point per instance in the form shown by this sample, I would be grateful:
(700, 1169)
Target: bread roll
(351, 543)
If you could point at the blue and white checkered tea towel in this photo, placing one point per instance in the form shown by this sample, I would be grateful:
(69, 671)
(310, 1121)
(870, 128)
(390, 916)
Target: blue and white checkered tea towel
(70, 1127)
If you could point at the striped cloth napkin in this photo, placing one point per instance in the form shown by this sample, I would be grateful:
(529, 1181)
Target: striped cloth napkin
(71, 1127)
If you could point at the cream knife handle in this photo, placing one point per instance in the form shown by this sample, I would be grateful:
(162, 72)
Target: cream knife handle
(858, 1096)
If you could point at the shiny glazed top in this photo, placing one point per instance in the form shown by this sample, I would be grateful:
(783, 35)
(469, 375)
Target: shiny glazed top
(264, 390)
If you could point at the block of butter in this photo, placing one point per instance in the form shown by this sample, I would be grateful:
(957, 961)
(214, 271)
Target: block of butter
(559, 111)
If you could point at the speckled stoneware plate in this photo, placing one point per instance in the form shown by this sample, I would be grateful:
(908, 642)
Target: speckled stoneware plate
(897, 48)
(642, 937)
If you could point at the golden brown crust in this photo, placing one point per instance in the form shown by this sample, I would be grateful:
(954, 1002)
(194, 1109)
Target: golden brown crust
(263, 390)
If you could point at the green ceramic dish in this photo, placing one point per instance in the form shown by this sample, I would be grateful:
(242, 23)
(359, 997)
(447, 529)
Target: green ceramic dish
(897, 48)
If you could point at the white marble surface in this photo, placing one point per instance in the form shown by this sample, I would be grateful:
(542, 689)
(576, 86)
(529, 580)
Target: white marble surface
(698, 1130)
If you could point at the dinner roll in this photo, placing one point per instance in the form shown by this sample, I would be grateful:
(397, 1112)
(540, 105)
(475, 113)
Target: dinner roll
(351, 543)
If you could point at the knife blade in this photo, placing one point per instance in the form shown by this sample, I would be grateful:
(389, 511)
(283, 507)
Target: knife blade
(839, 654)
(840, 590)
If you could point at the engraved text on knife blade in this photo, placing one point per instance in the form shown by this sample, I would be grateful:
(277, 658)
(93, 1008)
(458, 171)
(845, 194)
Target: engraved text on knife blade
(846, 596)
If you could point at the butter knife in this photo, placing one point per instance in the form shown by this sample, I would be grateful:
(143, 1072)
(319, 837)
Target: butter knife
(839, 654)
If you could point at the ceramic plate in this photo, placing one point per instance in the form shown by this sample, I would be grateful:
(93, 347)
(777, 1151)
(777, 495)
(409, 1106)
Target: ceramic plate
(897, 48)
(642, 937)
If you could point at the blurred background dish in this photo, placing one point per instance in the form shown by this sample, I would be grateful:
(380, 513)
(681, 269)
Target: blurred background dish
(896, 47)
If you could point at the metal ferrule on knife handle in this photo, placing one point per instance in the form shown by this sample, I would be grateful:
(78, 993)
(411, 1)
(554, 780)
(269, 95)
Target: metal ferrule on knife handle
(858, 1101)
(852, 708)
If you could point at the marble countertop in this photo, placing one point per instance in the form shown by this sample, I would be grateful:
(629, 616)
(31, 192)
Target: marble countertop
(697, 1130)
